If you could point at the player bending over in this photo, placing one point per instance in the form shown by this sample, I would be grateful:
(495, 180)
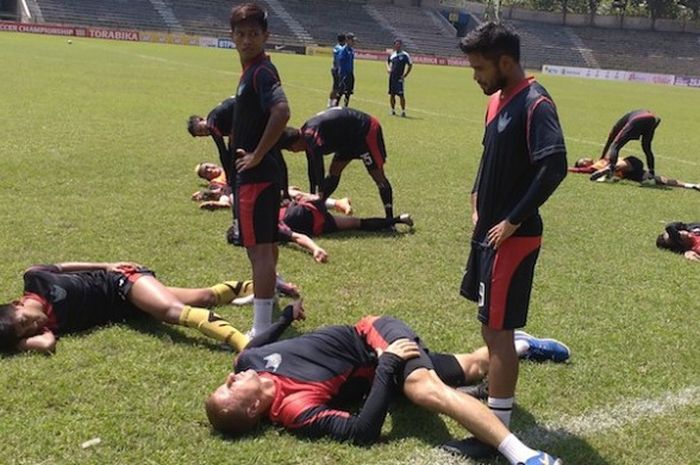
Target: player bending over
(350, 135)
(294, 381)
(631, 168)
(72, 297)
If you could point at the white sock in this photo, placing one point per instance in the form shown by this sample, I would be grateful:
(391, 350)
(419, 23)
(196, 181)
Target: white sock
(514, 450)
(262, 314)
(330, 203)
(521, 347)
(502, 408)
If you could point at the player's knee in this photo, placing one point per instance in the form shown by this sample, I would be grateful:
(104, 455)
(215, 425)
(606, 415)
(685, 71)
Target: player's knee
(424, 389)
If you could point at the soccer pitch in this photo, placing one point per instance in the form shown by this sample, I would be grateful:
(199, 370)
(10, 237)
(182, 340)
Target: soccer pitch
(96, 165)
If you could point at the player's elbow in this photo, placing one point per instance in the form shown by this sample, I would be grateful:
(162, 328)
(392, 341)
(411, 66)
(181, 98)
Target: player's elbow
(365, 436)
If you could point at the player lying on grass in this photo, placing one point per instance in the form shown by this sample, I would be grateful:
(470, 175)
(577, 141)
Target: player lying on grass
(681, 238)
(631, 168)
(305, 218)
(71, 297)
(217, 194)
(293, 382)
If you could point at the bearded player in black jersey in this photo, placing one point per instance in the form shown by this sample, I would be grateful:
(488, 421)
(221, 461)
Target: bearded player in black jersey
(523, 162)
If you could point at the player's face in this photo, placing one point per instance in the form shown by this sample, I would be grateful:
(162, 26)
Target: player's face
(28, 321)
(245, 385)
(583, 162)
(487, 73)
(209, 171)
(397, 45)
(249, 39)
(201, 129)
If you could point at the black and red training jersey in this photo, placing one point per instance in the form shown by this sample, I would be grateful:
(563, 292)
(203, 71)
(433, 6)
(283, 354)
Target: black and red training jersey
(259, 89)
(522, 129)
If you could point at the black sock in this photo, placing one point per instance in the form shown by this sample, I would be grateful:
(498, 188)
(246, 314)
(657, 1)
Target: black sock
(376, 224)
(387, 196)
(329, 185)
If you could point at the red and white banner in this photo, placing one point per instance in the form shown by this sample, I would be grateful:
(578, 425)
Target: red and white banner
(617, 75)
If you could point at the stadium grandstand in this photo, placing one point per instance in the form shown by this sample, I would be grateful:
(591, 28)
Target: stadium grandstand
(425, 30)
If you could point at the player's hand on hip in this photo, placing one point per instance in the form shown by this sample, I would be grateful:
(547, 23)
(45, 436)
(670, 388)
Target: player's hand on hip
(403, 348)
(246, 160)
(499, 233)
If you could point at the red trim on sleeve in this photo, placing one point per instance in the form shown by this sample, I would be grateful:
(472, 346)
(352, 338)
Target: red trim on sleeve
(365, 328)
(530, 111)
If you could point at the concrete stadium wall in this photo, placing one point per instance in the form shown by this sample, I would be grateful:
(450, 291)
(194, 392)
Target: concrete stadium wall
(572, 19)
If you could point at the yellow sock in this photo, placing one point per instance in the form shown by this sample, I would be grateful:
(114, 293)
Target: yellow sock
(228, 290)
(212, 325)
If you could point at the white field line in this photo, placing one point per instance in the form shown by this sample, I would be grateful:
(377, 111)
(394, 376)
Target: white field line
(610, 418)
(465, 118)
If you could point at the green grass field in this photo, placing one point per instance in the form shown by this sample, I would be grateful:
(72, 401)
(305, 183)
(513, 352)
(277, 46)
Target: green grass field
(95, 164)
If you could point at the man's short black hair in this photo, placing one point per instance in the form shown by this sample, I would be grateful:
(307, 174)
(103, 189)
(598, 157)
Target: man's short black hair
(341, 38)
(8, 336)
(249, 12)
(289, 136)
(674, 243)
(492, 40)
(192, 124)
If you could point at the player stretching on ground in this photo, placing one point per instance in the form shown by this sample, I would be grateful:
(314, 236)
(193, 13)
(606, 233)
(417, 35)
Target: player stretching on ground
(349, 134)
(399, 66)
(523, 161)
(294, 382)
(631, 168)
(681, 238)
(72, 297)
(260, 116)
(217, 194)
(303, 219)
(638, 124)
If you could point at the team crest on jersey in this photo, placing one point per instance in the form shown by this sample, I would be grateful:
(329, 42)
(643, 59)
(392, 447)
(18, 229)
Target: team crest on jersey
(273, 361)
(57, 293)
(503, 121)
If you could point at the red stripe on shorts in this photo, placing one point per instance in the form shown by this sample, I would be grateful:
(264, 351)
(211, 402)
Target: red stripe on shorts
(365, 328)
(247, 196)
(371, 141)
(508, 257)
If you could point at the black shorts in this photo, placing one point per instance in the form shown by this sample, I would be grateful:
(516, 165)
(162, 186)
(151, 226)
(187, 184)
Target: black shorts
(379, 332)
(374, 151)
(336, 81)
(636, 171)
(500, 281)
(257, 211)
(346, 84)
(396, 86)
(117, 286)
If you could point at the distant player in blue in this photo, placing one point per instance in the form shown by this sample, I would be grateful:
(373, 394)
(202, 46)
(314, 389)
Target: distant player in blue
(346, 69)
(399, 66)
(334, 96)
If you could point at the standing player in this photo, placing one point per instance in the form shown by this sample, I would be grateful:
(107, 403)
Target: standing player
(333, 98)
(260, 117)
(638, 124)
(218, 125)
(346, 69)
(349, 134)
(523, 162)
(398, 65)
